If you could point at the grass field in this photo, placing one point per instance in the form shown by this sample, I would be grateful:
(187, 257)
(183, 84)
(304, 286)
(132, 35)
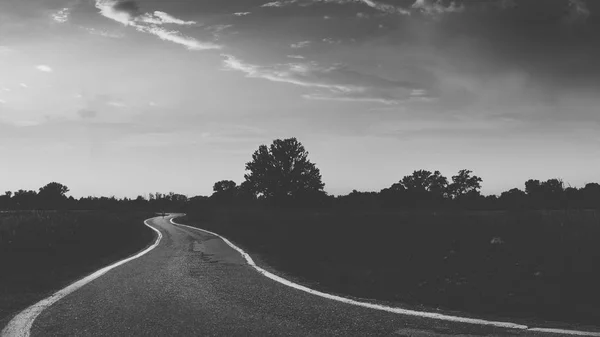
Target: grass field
(535, 265)
(43, 251)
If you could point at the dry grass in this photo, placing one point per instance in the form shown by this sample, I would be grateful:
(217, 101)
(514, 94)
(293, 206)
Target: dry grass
(528, 265)
(42, 251)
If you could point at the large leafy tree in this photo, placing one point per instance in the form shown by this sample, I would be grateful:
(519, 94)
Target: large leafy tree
(53, 190)
(224, 186)
(425, 181)
(464, 183)
(224, 190)
(53, 196)
(282, 171)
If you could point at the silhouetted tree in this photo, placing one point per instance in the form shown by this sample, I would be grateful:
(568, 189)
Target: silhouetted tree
(23, 199)
(463, 184)
(224, 186)
(591, 195)
(513, 199)
(282, 172)
(425, 188)
(393, 196)
(547, 194)
(53, 190)
(224, 191)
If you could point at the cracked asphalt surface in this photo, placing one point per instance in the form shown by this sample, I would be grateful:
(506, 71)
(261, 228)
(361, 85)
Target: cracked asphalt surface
(193, 284)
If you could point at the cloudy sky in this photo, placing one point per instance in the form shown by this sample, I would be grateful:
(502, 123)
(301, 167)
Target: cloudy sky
(129, 97)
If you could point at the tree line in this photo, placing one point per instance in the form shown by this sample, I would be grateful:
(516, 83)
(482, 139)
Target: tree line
(53, 196)
(281, 175)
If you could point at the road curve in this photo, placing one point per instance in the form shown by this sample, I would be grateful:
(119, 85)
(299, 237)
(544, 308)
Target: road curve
(193, 284)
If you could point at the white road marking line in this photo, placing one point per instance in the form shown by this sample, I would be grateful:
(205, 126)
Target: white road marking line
(20, 325)
(457, 319)
(565, 332)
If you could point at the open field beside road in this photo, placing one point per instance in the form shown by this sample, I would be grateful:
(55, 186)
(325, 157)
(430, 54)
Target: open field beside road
(43, 251)
(530, 266)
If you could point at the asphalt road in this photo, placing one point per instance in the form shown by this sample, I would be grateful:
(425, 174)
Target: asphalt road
(193, 284)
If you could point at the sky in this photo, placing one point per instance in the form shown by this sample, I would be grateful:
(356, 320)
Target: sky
(127, 98)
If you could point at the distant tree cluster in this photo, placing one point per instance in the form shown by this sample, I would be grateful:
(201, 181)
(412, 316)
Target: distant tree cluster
(53, 196)
(281, 175)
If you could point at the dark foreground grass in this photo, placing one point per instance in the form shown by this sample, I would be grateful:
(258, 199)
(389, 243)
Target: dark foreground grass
(43, 251)
(528, 266)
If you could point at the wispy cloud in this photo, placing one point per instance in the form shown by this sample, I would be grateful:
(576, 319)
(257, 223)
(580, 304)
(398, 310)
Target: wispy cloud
(23, 85)
(44, 68)
(293, 73)
(61, 16)
(216, 30)
(242, 13)
(578, 11)
(379, 6)
(2, 101)
(386, 8)
(300, 57)
(335, 83)
(128, 14)
(300, 44)
(104, 33)
(166, 18)
(279, 3)
(432, 7)
(349, 98)
(329, 40)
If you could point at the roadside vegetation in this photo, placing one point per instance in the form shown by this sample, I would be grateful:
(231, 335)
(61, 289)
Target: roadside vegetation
(42, 251)
(426, 241)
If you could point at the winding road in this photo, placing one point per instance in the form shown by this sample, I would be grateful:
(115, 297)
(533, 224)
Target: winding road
(192, 283)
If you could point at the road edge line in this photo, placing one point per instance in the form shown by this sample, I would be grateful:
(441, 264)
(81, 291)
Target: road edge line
(407, 312)
(20, 325)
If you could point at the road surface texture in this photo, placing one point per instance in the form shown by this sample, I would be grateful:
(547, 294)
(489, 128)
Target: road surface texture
(194, 284)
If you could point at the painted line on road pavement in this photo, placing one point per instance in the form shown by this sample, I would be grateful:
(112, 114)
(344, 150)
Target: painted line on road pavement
(424, 314)
(20, 325)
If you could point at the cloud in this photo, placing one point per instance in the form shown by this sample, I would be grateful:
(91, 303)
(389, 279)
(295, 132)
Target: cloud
(2, 101)
(87, 113)
(432, 7)
(116, 104)
(176, 37)
(23, 85)
(379, 6)
(217, 29)
(578, 11)
(298, 74)
(329, 40)
(166, 18)
(242, 13)
(349, 98)
(104, 33)
(300, 44)
(300, 57)
(386, 8)
(61, 16)
(128, 13)
(279, 3)
(127, 6)
(44, 68)
(335, 83)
